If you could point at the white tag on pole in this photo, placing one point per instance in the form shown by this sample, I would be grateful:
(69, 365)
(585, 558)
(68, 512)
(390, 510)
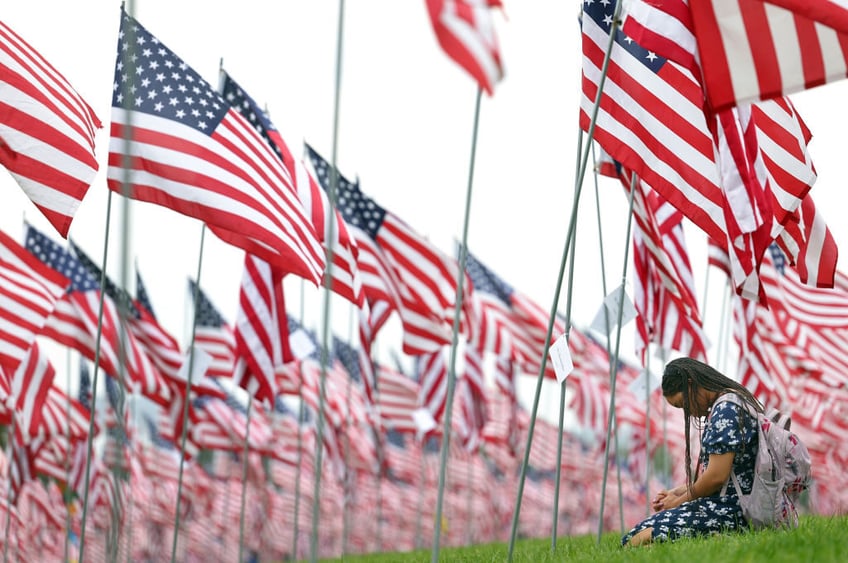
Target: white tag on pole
(424, 420)
(610, 307)
(637, 386)
(561, 358)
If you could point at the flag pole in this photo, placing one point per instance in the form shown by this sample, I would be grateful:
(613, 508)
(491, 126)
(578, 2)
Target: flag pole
(611, 421)
(578, 184)
(11, 449)
(300, 417)
(460, 282)
(555, 518)
(330, 235)
(94, 379)
(124, 185)
(648, 432)
(606, 318)
(66, 493)
(348, 490)
(187, 398)
(244, 474)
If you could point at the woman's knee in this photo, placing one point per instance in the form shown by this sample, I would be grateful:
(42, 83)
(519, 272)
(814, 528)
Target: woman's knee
(642, 537)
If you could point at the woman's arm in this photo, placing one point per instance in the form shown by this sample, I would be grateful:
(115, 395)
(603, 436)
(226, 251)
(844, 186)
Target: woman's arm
(710, 481)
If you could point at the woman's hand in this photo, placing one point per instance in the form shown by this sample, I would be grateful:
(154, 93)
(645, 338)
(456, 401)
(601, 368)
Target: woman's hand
(668, 499)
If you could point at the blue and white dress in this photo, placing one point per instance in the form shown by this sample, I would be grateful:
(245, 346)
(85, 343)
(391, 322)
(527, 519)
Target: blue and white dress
(715, 513)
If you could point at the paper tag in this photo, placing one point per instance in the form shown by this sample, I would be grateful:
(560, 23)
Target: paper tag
(561, 358)
(424, 420)
(610, 306)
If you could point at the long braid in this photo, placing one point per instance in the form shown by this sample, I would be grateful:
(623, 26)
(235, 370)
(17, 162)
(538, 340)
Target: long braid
(686, 376)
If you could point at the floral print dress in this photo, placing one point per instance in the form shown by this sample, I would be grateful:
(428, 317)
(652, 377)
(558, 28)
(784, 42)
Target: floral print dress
(717, 512)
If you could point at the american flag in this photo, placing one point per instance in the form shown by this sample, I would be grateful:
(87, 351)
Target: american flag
(261, 331)
(832, 13)
(774, 51)
(470, 390)
(664, 288)
(46, 132)
(343, 274)
(162, 346)
(30, 385)
(764, 155)
(427, 277)
(511, 324)
(650, 104)
(213, 334)
(176, 142)
(76, 322)
(465, 30)
(432, 374)
(28, 293)
(152, 339)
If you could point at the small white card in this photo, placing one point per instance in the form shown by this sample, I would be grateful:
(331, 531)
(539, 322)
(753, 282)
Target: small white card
(561, 358)
(423, 420)
(611, 308)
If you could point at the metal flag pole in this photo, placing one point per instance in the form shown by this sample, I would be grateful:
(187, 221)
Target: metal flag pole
(606, 319)
(94, 379)
(460, 282)
(578, 185)
(330, 235)
(614, 371)
(66, 494)
(187, 397)
(300, 418)
(648, 432)
(568, 301)
(244, 474)
(10, 449)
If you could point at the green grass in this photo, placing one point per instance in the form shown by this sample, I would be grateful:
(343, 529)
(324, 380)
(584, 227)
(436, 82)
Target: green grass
(818, 538)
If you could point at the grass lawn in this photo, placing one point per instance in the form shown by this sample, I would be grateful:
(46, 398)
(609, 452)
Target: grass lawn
(819, 539)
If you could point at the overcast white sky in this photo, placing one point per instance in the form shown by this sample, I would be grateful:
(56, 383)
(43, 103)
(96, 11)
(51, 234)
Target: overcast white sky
(406, 116)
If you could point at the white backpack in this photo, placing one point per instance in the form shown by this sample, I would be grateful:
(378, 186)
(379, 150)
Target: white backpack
(782, 471)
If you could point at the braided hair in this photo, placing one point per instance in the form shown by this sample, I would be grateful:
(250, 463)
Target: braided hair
(687, 376)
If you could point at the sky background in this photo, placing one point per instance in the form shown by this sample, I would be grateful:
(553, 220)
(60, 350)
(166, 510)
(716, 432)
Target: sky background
(406, 117)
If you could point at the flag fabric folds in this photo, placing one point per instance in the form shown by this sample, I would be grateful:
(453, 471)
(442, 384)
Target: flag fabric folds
(46, 132)
(426, 277)
(75, 321)
(28, 293)
(261, 331)
(831, 13)
(177, 143)
(342, 273)
(752, 50)
(465, 30)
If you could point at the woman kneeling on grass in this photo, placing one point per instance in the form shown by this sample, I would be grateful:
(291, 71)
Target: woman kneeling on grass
(728, 441)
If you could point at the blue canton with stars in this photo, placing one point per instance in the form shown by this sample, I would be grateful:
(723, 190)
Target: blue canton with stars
(121, 298)
(60, 259)
(249, 109)
(356, 208)
(348, 356)
(142, 297)
(207, 314)
(150, 78)
(778, 258)
(602, 11)
(486, 281)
